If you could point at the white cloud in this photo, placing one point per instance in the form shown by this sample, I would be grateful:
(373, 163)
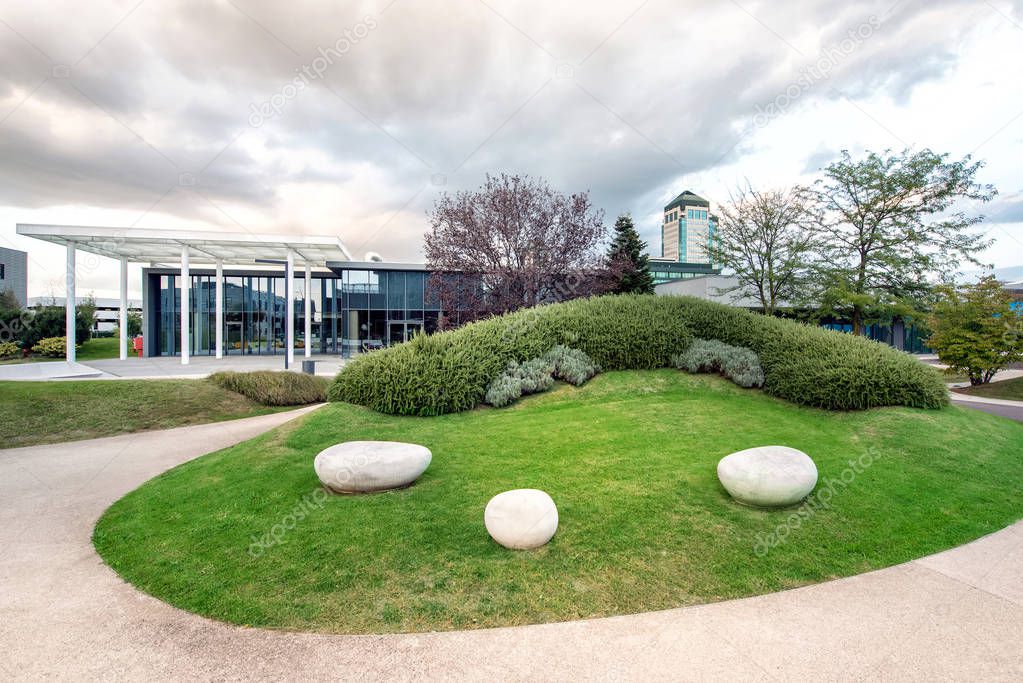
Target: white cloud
(634, 102)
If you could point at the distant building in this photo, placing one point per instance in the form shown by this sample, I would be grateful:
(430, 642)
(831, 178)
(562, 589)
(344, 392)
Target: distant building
(687, 230)
(14, 273)
(107, 310)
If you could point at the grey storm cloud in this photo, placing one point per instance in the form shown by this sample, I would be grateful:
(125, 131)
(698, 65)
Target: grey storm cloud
(621, 100)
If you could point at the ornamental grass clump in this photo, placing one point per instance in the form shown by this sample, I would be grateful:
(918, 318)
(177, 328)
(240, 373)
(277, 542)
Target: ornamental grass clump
(737, 364)
(274, 388)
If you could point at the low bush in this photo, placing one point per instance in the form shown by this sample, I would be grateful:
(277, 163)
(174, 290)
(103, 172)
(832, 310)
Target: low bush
(538, 374)
(571, 365)
(51, 347)
(818, 367)
(9, 349)
(451, 371)
(737, 364)
(274, 388)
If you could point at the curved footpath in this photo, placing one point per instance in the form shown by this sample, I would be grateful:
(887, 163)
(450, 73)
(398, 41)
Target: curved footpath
(63, 613)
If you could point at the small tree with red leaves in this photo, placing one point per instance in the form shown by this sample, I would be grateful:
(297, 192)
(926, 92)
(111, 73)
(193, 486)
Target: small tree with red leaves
(514, 242)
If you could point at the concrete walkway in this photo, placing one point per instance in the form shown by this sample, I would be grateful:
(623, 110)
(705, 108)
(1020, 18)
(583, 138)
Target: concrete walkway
(64, 614)
(163, 367)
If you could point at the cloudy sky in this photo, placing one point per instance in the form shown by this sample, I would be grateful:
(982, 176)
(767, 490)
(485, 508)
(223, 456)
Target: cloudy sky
(349, 118)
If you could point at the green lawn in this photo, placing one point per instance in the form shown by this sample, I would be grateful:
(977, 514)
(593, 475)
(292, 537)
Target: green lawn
(1010, 389)
(51, 412)
(97, 348)
(100, 349)
(630, 461)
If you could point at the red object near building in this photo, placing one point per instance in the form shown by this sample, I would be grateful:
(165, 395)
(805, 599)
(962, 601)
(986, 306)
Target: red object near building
(138, 345)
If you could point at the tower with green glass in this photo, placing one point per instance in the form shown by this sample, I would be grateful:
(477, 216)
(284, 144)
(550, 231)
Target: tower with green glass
(687, 231)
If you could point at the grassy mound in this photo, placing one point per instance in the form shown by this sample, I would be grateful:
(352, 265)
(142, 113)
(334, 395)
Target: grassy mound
(450, 372)
(274, 388)
(247, 535)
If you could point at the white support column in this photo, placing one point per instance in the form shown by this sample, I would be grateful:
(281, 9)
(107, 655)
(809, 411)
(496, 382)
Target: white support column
(186, 281)
(123, 318)
(289, 326)
(220, 308)
(69, 305)
(308, 311)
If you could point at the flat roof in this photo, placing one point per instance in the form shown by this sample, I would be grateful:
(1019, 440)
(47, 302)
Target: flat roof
(374, 265)
(162, 246)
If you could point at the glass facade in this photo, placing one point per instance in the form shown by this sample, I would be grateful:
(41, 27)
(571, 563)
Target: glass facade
(351, 311)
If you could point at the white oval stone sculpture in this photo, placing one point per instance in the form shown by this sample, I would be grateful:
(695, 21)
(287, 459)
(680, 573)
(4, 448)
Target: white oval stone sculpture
(365, 466)
(521, 519)
(768, 476)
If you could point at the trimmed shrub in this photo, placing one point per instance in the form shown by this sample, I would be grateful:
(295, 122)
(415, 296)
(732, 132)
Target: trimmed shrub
(504, 390)
(813, 366)
(538, 374)
(451, 371)
(9, 349)
(274, 388)
(571, 365)
(51, 347)
(535, 375)
(737, 364)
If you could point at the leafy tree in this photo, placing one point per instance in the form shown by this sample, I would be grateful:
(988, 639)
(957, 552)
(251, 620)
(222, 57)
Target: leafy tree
(8, 301)
(629, 267)
(134, 325)
(514, 242)
(887, 222)
(49, 321)
(764, 237)
(975, 331)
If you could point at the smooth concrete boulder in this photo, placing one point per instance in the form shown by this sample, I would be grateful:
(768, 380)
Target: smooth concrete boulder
(365, 466)
(768, 476)
(521, 519)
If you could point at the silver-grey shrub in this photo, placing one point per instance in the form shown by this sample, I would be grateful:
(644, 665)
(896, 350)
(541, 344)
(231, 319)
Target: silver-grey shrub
(538, 374)
(504, 390)
(571, 365)
(740, 365)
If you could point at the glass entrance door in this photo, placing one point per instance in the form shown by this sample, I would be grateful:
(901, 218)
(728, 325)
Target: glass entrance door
(233, 340)
(401, 331)
(395, 333)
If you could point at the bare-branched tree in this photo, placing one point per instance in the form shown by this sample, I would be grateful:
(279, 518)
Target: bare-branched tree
(512, 243)
(764, 237)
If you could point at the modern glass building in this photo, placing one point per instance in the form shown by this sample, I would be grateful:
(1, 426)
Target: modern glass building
(356, 306)
(222, 294)
(687, 232)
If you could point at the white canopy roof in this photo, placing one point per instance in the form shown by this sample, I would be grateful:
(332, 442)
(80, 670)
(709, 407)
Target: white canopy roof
(163, 246)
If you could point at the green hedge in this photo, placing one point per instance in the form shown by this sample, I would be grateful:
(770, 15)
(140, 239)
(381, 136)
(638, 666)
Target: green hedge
(450, 371)
(274, 388)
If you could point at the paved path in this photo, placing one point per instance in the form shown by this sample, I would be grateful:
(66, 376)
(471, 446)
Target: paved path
(1010, 409)
(64, 614)
(163, 367)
